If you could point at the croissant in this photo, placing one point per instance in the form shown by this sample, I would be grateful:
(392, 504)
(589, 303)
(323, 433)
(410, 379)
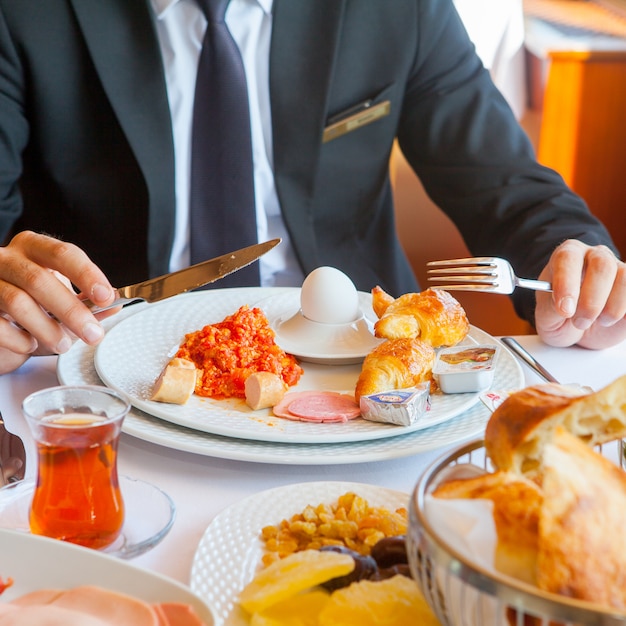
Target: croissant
(395, 364)
(380, 300)
(433, 315)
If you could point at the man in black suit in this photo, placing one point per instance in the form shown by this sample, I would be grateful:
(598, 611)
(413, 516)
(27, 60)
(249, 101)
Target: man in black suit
(87, 154)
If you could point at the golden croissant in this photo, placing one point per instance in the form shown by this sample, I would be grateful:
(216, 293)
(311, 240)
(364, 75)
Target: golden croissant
(395, 364)
(433, 315)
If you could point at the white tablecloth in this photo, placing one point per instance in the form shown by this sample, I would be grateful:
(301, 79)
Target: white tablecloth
(202, 487)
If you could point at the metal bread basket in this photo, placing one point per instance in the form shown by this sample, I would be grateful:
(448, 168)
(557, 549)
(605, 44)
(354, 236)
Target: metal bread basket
(462, 593)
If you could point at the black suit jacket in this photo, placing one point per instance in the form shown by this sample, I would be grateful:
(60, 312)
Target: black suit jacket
(86, 151)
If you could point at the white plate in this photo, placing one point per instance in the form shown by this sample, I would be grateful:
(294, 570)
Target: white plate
(136, 350)
(76, 367)
(41, 563)
(149, 515)
(328, 344)
(230, 551)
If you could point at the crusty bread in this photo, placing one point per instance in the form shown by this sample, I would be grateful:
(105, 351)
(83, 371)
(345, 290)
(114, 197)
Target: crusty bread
(521, 426)
(582, 543)
(565, 533)
(434, 316)
(395, 364)
(559, 506)
(516, 507)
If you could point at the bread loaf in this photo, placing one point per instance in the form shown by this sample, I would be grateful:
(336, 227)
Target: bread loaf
(516, 508)
(559, 506)
(521, 426)
(582, 544)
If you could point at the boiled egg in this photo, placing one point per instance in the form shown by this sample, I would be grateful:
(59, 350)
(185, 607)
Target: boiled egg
(328, 296)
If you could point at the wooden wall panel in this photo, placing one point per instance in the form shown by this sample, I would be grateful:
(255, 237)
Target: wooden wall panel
(583, 131)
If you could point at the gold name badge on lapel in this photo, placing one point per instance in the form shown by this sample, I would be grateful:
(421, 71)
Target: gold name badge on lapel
(366, 114)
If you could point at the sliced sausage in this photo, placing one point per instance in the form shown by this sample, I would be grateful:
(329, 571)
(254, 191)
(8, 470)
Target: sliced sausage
(264, 389)
(176, 382)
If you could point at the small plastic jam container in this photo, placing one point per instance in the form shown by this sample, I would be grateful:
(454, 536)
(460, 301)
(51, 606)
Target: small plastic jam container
(465, 369)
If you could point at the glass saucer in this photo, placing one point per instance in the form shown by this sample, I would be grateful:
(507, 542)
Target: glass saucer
(149, 515)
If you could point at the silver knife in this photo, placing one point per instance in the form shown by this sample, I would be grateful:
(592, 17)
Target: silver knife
(532, 362)
(192, 277)
(529, 359)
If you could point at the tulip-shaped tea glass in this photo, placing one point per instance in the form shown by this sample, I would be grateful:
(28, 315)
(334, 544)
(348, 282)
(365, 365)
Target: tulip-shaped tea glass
(77, 495)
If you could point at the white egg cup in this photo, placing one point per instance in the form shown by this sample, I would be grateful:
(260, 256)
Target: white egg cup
(318, 342)
(327, 321)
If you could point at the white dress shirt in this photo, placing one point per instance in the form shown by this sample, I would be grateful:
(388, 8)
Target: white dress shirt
(180, 28)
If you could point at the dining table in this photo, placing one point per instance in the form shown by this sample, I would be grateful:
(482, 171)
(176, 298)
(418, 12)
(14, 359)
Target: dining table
(203, 485)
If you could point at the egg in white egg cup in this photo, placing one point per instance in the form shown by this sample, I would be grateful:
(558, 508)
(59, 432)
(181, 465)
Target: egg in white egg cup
(331, 324)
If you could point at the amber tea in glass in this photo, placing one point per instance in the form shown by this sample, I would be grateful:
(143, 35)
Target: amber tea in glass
(77, 495)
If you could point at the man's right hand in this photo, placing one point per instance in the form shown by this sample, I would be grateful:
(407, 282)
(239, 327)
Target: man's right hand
(39, 311)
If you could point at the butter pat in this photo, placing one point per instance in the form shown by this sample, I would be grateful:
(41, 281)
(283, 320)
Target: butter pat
(465, 369)
(399, 406)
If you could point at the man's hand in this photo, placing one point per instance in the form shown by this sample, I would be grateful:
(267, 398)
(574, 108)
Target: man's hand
(39, 312)
(588, 302)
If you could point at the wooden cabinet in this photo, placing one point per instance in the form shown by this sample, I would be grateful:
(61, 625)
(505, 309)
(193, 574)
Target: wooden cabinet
(583, 130)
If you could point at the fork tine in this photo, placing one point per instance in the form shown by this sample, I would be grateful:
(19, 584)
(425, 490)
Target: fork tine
(472, 279)
(479, 260)
(480, 274)
(466, 287)
(479, 270)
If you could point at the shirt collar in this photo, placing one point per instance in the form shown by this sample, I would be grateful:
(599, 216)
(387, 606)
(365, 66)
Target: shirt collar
(161, 6)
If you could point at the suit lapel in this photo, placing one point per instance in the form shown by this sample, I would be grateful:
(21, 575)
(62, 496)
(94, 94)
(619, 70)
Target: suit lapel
(304, 39)
(121, 40)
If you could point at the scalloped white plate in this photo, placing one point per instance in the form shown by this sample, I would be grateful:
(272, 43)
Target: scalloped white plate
(76, 367)
(230, 551)
(134, 352)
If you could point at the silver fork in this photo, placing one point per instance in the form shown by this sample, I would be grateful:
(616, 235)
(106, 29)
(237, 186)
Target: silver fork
(483, 273)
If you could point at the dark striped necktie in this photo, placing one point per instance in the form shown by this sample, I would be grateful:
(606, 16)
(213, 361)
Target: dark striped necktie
(222, 207)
